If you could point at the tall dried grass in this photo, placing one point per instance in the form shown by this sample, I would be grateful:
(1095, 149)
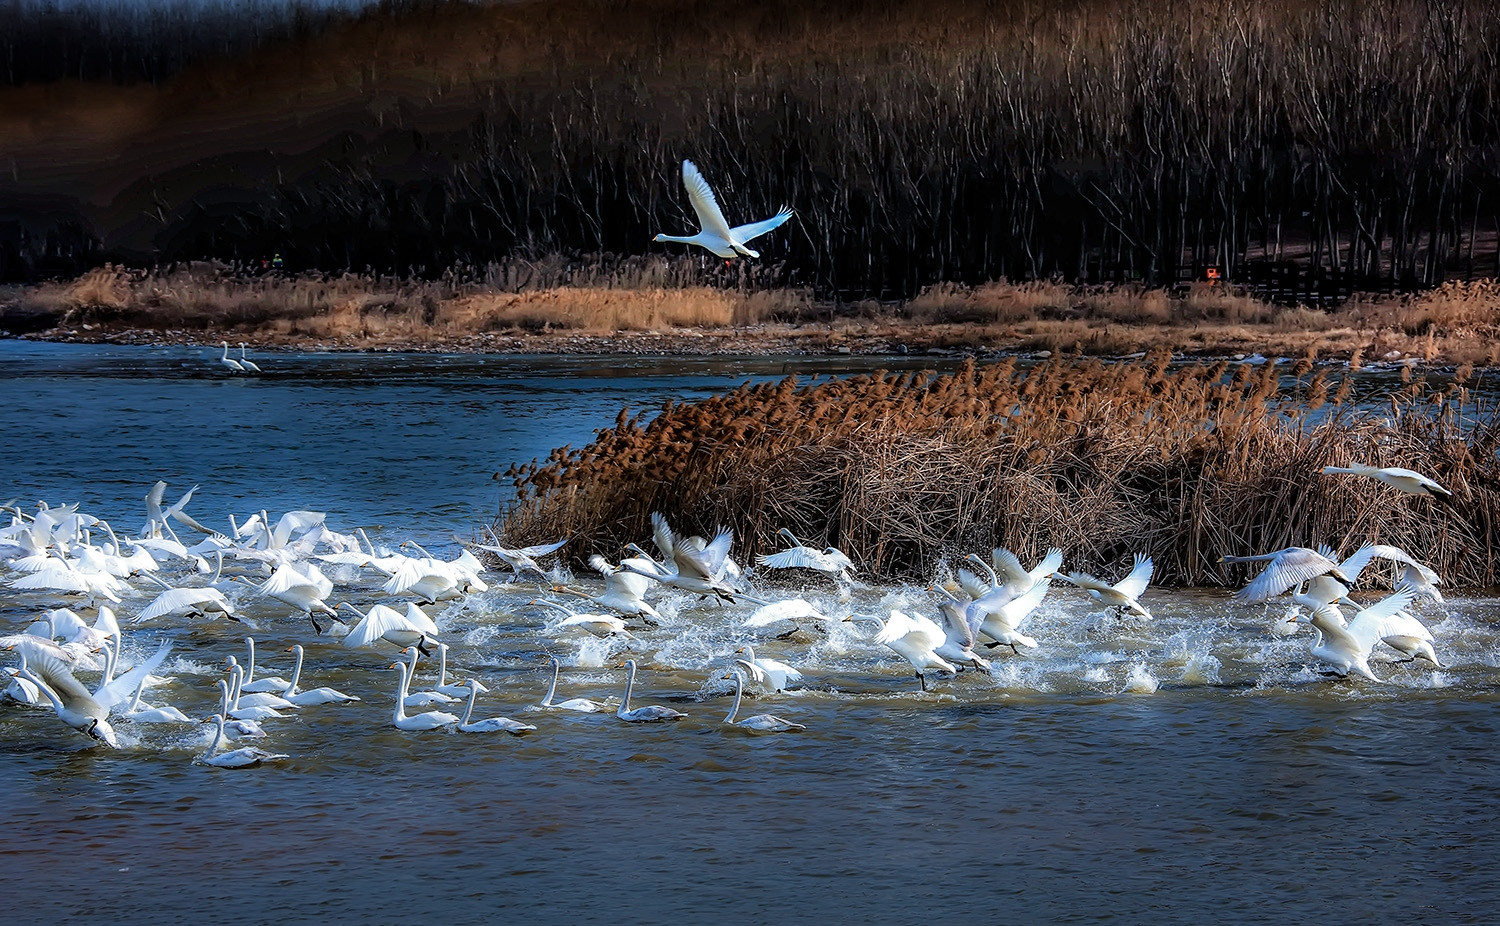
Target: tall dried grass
(901, 470)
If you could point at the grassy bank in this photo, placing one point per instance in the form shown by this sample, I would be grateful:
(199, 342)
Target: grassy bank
(1103, 460)
(531, 304)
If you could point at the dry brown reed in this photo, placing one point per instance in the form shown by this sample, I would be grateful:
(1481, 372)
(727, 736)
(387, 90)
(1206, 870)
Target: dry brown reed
(902, 470)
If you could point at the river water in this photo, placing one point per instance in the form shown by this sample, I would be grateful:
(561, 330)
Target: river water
(1191, 767)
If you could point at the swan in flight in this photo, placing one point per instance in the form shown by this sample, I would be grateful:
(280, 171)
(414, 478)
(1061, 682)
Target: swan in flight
(521, 559)
(228, 362)
(773, 673)
(789, 609)
(714, 233)
(156, 515)
(432, 579)
(1124, 593)
(1285, 568)
(1347, 646)
(1323, 590)
(189, 600)
(624, 590)
(75, 706)
(245, 362)
(700, 565)
(242, 757)
(760, 723)
(959, 624)
(828, 560)
(1402, 480)
(581, 705)
(430, 720)
(414, 628)
(651, 713)
(1008, 579)
(489, 724)
(1414, 573)
(914, 638)
(304, 587)
(600, 625)
(313, 696)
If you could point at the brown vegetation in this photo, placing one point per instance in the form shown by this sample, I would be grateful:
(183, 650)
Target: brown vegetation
(1103, 460)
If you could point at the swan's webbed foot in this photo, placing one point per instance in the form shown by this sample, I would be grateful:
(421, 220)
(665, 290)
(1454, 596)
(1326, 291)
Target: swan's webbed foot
(422, 647)
(923, 679)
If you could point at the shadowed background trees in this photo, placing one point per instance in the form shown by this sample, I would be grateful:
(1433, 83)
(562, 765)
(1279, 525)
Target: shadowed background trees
(1309, 148)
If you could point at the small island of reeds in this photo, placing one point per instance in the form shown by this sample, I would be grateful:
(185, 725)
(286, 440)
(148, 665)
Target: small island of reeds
(903, 470)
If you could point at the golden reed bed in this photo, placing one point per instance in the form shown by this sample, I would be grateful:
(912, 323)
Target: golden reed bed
(1101, 459)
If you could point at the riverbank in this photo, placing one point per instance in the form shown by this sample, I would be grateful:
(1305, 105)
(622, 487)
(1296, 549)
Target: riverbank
(1458, 323)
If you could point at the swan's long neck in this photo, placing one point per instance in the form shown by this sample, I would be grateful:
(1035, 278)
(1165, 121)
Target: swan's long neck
(468, 711)
(223, 697)
(250, 661)
(237, 679)
(400, 712)
(629, 684)
(418, 547)
(111, 656)
(552, 688)
(739, 690)
(41, 686)
(558, 606)
(218, 567)
(442, 665)
(680, 239)
(225, 355)
(218, 735)
(296, 674)
(749, 653)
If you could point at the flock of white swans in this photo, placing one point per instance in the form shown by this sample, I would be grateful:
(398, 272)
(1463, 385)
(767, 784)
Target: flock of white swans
(60, 562)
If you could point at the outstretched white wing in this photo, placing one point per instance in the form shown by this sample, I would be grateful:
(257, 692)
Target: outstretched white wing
(743, 233)
(1132, 585)
(702, 198)
(1356, 564)
(1381, 620)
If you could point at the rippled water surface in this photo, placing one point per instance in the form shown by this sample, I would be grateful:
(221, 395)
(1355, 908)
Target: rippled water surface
(1194, 767)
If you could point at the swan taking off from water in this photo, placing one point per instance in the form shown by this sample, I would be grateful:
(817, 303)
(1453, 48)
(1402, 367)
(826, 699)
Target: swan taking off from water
(385, 623)
(75, 706)
(760, 723)
(1416, 574)
(828, 560)
(1285, 568)
(1402, 480)
(1347, 647)
(522, 558)
(624, 591)
(914, 638)
(1122, 594)
(651, 713)
(714, 233)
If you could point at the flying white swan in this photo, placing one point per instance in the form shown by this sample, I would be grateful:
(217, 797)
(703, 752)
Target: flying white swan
(1008, 579)
(75, 706)
(959, 624)
(1285, 568)
(489, 724)
(700, 565)
(414, 628)
(1124, 593)
(228, 362)
(431, 720)
(156, 515)
(773, 673)
(828, 560)
(1402, 480)
(432, 579)
(304, 587)
(1323, 590)
(760, 723)
(714, 233)
(651, 713)
(1347, 647)
(581, 705)
(523, 558)
(600, 625)
(313, 696)
(1413, 572)
(245, 362)
(242, 757)
(190, 600)
(789, 609)
(624, 591)
(914, 638)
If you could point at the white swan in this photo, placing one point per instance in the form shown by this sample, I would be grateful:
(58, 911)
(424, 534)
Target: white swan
(760, 723)
(1004, 624)
(701, 565)
(652, 713)
(914, 638)
(431, 720)
(773, 673)
(714, 233)
(242, 757)
(789, 609)
(75, 706)
(489, 724)
(1285, 568)
(1008, 579)
(229, 364)
(242, 699)
(829, 560)
(191, 600)
(581, 705)
(313, 696)
(1124, 593)
(1402, 480)
(413, 628)
(442, 686)
(624, 590)
(145, 713)
(1414, 573)
(245, 362)
(960, 623)
(1347, 647)
(522, 558)
(304, 587)
(600, 625)
(425, 698)
(249, 723)
(251, 684)
(232, 709)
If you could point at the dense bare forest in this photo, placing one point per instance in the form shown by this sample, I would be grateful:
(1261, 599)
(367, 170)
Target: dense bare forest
(1313, 147)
